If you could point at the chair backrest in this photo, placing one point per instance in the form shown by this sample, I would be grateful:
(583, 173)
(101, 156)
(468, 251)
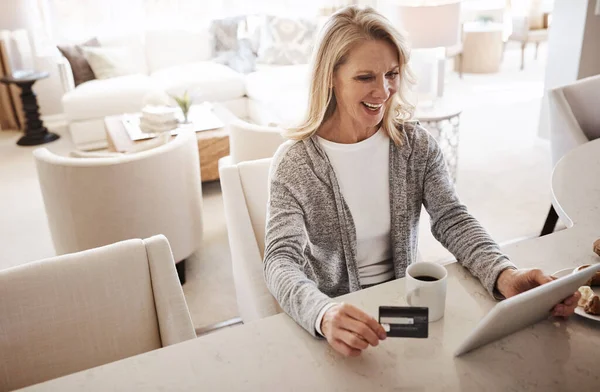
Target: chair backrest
(245, 195)
(73, 312)
(249, 142)
(583, 97)
(93, 202)
(574, 115)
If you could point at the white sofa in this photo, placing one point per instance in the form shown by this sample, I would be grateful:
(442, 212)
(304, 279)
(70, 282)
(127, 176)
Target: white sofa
(174, 61)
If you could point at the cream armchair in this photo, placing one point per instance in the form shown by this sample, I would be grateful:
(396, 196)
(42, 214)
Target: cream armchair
(92, 202)
(574, 120)
(249, 142)
(74, 312)
(245, 195)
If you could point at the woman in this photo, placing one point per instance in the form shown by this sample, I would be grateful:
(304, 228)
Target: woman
(346, 192)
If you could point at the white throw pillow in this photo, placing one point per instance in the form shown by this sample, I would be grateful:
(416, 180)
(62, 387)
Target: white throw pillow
(110, 62)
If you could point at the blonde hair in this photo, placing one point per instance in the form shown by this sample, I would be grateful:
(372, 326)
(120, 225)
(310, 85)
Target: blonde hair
(339, 35)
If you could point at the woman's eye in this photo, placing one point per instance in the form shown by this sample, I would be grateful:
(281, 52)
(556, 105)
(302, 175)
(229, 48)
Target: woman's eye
(393, 75)
(364, 78)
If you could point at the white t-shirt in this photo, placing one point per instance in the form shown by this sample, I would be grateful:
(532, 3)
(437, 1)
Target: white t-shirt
(362, 171)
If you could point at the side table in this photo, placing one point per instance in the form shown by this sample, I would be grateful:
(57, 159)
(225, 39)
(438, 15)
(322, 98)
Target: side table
(442, 120)
(35, 132)
(483, 45)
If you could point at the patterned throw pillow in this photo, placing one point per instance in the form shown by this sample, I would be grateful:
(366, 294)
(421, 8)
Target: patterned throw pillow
(231, 48)
(242, 60)
(226, 34)
(82, 72)
(286, 41)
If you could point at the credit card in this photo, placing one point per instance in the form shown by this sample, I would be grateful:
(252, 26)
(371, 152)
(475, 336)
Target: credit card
(404, 321)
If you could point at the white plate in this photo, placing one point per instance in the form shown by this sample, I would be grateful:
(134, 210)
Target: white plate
(578, 310)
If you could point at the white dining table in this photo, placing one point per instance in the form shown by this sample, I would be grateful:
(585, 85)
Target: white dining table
(275, 354)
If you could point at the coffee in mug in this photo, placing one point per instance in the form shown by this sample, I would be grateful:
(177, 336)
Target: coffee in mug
(426, 287)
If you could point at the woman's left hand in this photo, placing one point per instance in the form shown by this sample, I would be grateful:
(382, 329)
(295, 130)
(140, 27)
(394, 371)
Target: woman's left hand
(512, 282)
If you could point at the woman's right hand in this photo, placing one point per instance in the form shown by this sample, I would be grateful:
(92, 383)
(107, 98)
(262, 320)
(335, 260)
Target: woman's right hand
(349, 330)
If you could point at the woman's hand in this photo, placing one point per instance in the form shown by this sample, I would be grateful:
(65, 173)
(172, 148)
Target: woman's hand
(349, 330)
(512, 282)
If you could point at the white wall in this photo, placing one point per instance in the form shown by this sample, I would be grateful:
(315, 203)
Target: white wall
(573, 49)
(24, 14)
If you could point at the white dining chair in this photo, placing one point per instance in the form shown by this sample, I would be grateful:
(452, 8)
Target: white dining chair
(249, 142)
(73, 312)
(245, 195)
(574, 120)
(92, 202)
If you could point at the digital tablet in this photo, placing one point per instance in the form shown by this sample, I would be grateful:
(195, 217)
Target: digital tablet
(520, 311)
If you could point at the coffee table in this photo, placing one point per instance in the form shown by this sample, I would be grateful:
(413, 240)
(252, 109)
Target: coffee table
(212, 144)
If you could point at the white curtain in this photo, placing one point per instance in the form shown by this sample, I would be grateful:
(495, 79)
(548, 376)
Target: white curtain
(76, 20)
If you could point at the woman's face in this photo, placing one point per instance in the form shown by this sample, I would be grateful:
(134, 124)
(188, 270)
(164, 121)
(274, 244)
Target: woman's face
(365, 83)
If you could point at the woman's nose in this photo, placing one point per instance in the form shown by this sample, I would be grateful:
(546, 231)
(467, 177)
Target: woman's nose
(382, 89)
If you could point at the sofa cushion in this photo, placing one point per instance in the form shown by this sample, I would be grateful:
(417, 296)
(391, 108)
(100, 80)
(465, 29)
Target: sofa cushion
(134, 43)
(99, 98)
(286, 41)
(268, 82)
(110, 62)
(280, 90)
(82, 72)
(205, 81)
(168, 48)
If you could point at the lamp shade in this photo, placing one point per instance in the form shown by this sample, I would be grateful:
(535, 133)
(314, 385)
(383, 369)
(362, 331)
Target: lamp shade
(429, 24)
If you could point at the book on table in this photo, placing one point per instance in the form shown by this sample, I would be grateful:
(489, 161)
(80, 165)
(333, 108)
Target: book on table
(201, 118)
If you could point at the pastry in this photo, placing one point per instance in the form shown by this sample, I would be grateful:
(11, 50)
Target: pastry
(597, 247)
(586, 295)
(593, 306)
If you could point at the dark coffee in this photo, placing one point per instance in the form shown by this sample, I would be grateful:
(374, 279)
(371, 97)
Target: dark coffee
(426, 278)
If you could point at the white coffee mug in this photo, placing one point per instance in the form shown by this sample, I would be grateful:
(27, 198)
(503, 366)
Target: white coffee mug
(426, 287)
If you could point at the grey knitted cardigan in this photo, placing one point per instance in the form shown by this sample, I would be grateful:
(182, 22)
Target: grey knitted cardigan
(310, 240)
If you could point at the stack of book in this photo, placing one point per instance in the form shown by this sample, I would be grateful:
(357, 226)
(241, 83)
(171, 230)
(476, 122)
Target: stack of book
(157, 119)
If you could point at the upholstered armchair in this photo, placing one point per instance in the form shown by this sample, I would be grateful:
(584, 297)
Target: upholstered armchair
(77, 311)
(574, 120)
(92, 202)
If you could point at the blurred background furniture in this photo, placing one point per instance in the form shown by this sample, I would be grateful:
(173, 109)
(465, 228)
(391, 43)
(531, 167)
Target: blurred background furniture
(574, 120)
(524, 34)
(77, 311)
(482, 47)
(531, 20)
(213, 144)
(35, 131)
(442, 120)
(92, 202)
(428, 45)
(11, 115)
(245, 194)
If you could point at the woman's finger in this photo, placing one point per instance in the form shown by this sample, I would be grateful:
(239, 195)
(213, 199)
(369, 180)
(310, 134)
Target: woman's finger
(359, 315)
(344, 349)
(358, 327)
(538, 277)
(351, 339)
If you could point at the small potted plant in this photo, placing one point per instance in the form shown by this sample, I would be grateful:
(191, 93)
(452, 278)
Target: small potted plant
(184, 102)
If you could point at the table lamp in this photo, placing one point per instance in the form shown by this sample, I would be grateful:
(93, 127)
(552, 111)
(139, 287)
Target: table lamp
(431, 26)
